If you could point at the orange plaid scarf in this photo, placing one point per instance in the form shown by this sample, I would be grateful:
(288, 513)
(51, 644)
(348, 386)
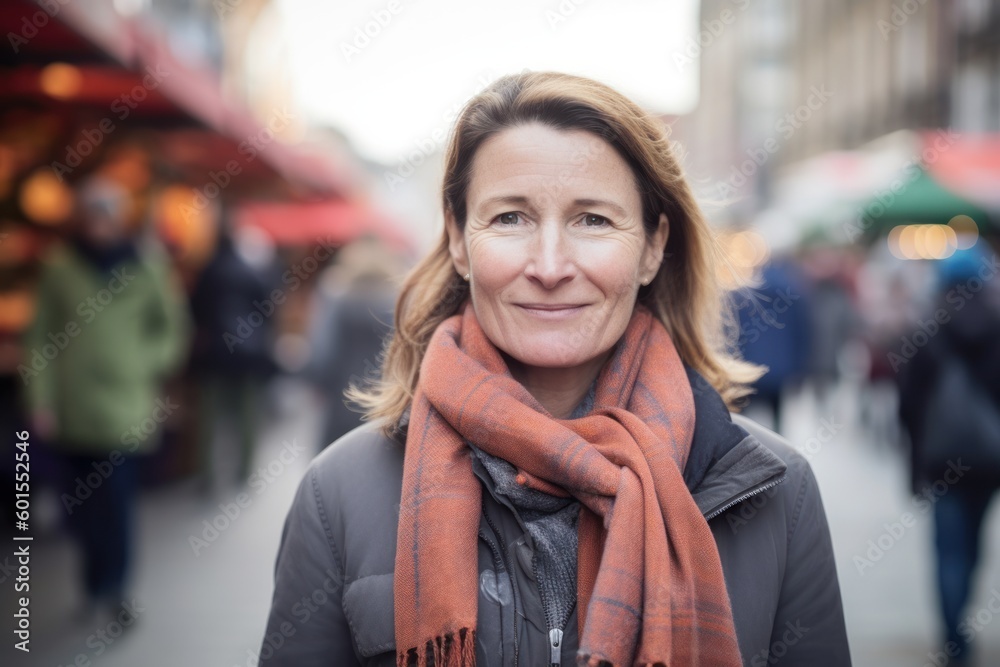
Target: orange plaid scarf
(650, 584)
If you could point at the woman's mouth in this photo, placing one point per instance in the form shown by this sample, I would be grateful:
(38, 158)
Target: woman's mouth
(551, 311)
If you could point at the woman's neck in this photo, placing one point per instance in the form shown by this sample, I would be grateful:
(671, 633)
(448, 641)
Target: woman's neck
(559, 390)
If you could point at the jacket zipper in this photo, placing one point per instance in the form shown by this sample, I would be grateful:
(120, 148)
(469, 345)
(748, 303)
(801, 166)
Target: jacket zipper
(555, 632)
(740, 499)
(555, 642)
(513, 579)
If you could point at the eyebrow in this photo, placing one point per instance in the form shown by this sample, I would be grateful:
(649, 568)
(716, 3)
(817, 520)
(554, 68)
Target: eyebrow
(520, 200)
(600, 202)
(505, 199)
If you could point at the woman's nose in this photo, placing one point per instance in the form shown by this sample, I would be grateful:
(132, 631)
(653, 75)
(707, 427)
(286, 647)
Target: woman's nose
(550, 256)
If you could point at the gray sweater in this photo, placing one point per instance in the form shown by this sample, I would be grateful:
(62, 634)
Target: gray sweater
(552, 524)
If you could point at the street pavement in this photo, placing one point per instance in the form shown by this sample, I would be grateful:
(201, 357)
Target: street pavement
(204, 604)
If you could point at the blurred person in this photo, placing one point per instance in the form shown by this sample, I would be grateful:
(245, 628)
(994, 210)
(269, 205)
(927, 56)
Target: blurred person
(112, 312)
(552, 475)
(950, 405)
(232, 355)
(775, 333)
(833, 322)
(889, 308)
(350, 317)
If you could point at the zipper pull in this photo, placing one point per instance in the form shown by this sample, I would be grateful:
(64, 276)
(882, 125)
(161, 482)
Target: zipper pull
(555, 644)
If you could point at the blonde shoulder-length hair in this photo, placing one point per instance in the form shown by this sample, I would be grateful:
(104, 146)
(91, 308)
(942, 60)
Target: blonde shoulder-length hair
(685, 294)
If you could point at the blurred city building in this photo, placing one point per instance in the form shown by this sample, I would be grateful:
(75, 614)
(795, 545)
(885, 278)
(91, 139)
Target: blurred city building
(839, 97)
(743, 52)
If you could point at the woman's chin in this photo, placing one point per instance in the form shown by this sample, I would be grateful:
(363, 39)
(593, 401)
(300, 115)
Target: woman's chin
(553, 354)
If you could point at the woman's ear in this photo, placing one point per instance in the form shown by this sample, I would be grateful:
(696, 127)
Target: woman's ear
(456, 244)
(655, 248)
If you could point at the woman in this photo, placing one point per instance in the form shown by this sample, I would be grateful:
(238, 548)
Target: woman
(553, 476)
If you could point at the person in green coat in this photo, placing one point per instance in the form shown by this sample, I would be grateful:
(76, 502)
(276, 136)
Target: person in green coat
(110, 326)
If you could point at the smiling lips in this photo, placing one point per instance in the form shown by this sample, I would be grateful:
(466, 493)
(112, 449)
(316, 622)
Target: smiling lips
(551, 311)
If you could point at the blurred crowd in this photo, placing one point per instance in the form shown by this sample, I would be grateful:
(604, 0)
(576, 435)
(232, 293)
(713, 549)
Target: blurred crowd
(910, 349)
(139, 367)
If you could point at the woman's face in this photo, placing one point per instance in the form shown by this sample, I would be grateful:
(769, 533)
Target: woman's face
(555, 245)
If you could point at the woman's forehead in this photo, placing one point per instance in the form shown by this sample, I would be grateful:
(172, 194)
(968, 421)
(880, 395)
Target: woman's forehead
(536, 161)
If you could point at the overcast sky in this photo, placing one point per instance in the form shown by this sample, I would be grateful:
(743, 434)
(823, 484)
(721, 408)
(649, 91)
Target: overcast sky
(403, 87)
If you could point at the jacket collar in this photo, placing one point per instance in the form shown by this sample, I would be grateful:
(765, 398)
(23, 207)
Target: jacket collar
(726, 464)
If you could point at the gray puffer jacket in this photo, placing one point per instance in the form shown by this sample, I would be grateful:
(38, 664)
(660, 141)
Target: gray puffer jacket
(333, 598)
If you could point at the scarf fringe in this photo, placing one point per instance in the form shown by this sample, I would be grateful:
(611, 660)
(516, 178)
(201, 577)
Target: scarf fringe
(445, 651)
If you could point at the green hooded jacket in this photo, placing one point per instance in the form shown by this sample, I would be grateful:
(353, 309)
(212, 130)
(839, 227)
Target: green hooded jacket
(100, 346)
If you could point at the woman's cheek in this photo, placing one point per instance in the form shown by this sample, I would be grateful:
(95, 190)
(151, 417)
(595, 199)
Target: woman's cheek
(496, 258)
(615, 272)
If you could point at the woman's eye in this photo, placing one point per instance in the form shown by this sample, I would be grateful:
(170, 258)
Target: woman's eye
(508, 218)
(595, 220)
